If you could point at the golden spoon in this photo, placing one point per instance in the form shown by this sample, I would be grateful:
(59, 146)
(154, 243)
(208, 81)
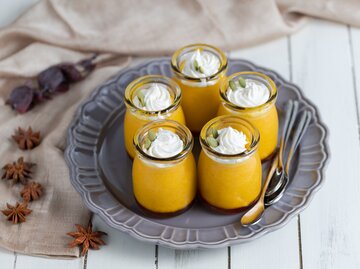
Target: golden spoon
(255, 213)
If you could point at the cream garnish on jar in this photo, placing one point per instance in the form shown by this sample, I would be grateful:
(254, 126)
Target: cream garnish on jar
(153, 97)
(163, 144)
(199, 64)
(247, 92)
(228, 141)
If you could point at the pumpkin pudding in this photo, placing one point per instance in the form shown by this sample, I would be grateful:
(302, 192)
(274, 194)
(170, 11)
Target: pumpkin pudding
(229, 167)
(252, 96)
(164, 169)
(199, 69)
(147, 99)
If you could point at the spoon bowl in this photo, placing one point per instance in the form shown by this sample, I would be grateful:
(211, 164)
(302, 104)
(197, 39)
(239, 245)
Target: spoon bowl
(275, 196)
(253, 215)
(277, 181)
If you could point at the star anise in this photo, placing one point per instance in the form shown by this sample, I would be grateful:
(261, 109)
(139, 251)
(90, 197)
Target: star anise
(19, 171)
(17, 213)
(31, 192)
(86, 238)
(26, 139)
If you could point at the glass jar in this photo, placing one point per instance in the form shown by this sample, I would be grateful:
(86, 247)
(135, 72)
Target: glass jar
(136, 117)
(164, 185)
(229, 182)
(264, 117)
(200, 95)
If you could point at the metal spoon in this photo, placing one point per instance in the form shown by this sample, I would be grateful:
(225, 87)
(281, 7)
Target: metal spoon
(279, 176)
(255, 213)
(298, 135)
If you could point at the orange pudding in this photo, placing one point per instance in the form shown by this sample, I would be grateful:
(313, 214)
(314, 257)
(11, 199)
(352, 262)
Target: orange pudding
(199, 69)
(229, 167)
(147, 99)
(254, 102)
(164, 169)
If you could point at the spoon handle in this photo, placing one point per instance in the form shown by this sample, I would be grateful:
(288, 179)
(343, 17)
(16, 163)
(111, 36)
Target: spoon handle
(294, 113)
(292, 108)
(300, 130)
(298, 135)
(269, 175)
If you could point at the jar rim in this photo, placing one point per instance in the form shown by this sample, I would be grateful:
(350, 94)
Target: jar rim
(219, 53)
(143, 80)
(270, 84)
(183, 131)
(254, 139)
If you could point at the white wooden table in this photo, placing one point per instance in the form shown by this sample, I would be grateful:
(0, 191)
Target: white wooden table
(324, 60)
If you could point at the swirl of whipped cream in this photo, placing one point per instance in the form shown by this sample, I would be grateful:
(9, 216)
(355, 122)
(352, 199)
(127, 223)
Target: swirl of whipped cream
(156, 97)
(254, 94)
(231, 141)
(208, 64)
(166, 144)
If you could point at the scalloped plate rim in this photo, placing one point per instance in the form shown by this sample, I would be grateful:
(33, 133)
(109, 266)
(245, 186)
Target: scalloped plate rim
(196, 244)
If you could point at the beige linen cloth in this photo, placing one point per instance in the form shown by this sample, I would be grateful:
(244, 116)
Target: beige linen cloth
(58, 30)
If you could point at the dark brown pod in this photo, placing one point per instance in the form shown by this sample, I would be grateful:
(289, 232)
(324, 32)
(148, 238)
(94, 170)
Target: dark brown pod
(88, 64)
(79, 71)
(72, 73)
(52, 80)
(21, 98)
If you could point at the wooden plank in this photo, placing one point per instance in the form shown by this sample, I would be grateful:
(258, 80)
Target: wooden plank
(121, 251)
(7, 259)
(10, 10)
(273, 55)
(274, 250)
(193, 259)
(30, 262)
(331, 224)
(354, 40)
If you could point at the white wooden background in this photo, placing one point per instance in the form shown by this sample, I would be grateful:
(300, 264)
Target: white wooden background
(324, 60)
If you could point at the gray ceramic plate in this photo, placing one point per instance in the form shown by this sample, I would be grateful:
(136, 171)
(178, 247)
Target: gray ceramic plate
(100, 169)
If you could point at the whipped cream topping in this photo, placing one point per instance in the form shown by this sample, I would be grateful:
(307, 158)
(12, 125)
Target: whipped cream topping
(156, 97)
(254, 94)
(230, 141)
(199, 64)
(166, 144)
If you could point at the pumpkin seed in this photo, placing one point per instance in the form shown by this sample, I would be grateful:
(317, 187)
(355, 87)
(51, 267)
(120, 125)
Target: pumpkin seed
(214, 132)
(212, 142)
(147, 143)
(151, 135)
(242, 82)
(196, 65)
(232, 85)
(141, 98)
